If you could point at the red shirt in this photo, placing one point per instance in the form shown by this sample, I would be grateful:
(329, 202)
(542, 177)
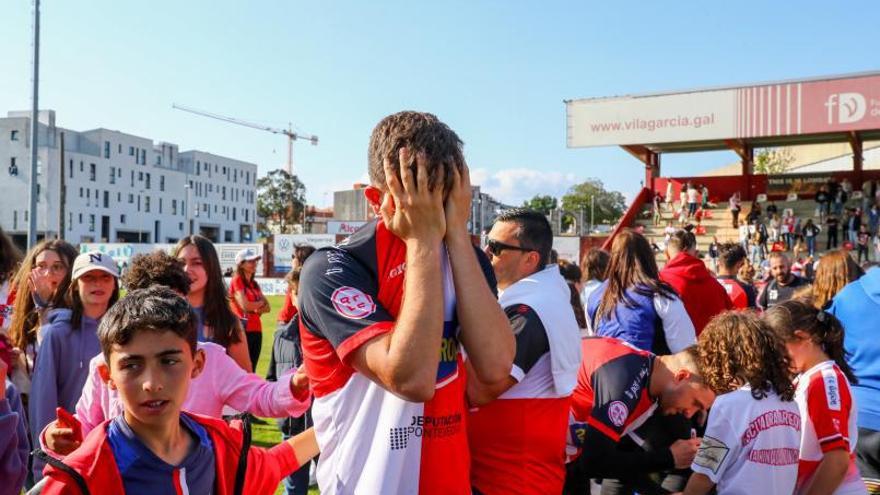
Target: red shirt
(288, 311)
(252, 293)
(702, 295)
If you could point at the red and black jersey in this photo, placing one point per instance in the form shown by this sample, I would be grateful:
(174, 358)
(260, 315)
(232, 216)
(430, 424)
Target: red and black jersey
(611, 396)
(373, 441)
(742, 295)
(611, 400)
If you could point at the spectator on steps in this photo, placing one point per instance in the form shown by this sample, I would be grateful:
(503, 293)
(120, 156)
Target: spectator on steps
(735, 206)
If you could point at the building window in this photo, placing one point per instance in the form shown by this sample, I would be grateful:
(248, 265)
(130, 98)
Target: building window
(92, 172)
(80, 218)
(160, 206)
(119, 197)
(140, 176)
(143, 157)
(88, 193)
(106, 149)
(131, 151)
(122, 219)
(174, 207)
(80, 192)
(139, 202)
(119, 148)
(224, 193)
(91, 223)
(161, 183)
(147, 185)
(147, 204)
(233, 214)
(132, 178)
(180, 226)
(130, 198)
(71, 169)
(69, 220)
(13, 167)
(13, 136)
(81, 166)
(113, 175)
(106, 199)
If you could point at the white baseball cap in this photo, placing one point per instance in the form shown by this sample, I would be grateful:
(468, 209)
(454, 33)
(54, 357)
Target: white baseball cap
(246, 254)
(93, 260)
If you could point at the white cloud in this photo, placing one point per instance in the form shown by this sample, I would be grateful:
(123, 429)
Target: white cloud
(515, 185)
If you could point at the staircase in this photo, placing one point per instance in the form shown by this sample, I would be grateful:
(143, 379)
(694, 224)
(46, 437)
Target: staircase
(721, 225)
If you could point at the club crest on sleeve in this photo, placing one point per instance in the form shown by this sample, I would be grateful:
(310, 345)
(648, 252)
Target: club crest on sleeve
(352, 303)
(617, 413)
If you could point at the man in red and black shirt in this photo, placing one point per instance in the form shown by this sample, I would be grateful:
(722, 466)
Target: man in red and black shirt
(731, 257)
(618, 388)
(384, 318)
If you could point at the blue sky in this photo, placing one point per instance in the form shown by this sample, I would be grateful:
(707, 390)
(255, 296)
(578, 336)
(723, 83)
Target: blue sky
(496, 71)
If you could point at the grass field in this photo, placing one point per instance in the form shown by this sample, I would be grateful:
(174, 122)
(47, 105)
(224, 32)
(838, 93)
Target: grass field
(268, 434)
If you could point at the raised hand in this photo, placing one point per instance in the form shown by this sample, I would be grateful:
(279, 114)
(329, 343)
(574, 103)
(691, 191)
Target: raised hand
(410, 209)
(458, 202)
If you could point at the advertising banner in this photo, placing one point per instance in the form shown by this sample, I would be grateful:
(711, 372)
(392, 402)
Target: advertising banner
(838, 104)
(343, 228)
(226, 253)
(284, 245)
(804, 185)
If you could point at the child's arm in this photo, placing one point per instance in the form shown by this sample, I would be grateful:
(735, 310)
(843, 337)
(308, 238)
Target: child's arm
(305, 446)
(830, 473)
(249, 392)
(698, 484)
(267, 467)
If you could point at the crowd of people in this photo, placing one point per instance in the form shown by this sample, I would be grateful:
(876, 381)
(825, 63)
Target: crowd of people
(407, 360)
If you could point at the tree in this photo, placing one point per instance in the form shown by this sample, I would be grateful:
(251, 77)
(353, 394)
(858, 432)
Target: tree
(280, 201)
(773, 161)
(609, 205)
(545, 204)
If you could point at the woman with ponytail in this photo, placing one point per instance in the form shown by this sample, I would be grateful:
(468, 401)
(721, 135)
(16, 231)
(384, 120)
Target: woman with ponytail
(814, 339)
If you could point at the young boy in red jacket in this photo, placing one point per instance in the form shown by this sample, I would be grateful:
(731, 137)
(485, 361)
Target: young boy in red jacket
(149, 340)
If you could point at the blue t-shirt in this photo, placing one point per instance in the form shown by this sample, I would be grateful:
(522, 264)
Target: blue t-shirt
(144, 473)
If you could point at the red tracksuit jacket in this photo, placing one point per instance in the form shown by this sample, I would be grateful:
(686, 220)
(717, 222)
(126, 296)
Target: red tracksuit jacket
(91, 469)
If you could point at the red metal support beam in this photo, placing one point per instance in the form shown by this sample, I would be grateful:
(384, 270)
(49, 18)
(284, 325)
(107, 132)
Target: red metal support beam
(650, 158)
(855, 142)
(746, 154)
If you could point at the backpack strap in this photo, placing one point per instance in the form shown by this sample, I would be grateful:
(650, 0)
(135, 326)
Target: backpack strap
(241, 470)
(77, 478)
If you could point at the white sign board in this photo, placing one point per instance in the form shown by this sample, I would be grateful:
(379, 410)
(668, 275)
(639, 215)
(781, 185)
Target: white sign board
(285, 244)
(269, 286)
(343, 228)
(568, 248)
(226, 253)
(652, 119)
(814, 106)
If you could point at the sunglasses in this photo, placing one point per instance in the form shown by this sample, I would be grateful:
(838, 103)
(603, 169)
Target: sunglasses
(496, 248)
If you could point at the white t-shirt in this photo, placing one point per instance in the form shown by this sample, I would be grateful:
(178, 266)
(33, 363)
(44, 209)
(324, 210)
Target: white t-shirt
(692, 195)
(829, 417)
(751, 446)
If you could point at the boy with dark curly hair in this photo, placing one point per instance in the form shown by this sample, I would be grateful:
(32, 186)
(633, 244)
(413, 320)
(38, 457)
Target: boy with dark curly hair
(752, 440)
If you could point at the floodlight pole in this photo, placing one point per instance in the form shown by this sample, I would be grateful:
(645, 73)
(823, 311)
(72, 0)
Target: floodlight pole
(35, 127)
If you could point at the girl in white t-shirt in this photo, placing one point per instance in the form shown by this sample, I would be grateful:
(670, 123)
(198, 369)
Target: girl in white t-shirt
(814, 339)
(753, 435)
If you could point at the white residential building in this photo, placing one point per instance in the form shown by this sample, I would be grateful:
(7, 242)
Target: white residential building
(109, 186)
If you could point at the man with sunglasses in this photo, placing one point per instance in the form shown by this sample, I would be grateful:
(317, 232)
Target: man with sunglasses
(517, 431)
(384, 316)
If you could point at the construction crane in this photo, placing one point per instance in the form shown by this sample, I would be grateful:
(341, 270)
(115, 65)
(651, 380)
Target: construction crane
(291, 136)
